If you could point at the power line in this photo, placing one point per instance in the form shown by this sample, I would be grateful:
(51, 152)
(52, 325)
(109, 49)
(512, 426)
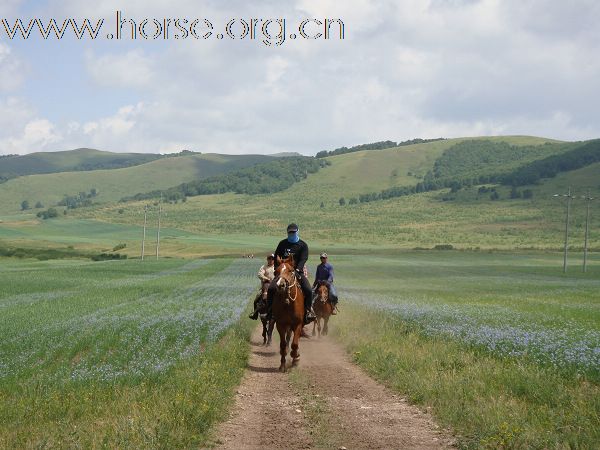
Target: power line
(587, 228)
(144, 235)
(569, 198)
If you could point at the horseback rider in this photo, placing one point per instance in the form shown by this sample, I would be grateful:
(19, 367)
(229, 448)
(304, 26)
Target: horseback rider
(266, 273)
(325, 274)
(296, 247)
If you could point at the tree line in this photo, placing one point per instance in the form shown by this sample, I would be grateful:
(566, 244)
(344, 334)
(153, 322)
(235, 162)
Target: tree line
(380, 145)
(549, 167)
(452, 169)
(266, 178)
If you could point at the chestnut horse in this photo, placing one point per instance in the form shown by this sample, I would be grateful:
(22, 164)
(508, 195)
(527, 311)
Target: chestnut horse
(288, 309)
(263, 310)
(323, 308)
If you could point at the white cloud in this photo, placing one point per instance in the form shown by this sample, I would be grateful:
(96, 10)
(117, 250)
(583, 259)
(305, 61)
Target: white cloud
(36, 136)
(11, 69)
(132, 69)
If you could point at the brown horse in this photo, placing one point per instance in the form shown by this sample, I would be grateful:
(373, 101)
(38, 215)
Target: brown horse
(263, 310)
(323, 308)
(288, 309)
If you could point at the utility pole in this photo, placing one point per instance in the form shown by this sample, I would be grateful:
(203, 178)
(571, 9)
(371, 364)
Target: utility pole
(569, 197)
(144, 236)
(587, 228)
(158, 231)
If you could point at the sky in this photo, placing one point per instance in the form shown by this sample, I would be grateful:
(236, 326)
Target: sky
(404, 69)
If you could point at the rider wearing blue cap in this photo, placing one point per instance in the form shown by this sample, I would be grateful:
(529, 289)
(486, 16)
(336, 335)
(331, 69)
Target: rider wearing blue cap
(296, 247)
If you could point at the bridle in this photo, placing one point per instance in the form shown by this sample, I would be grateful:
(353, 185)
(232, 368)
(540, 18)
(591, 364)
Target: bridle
(289, 284)
(323, 298)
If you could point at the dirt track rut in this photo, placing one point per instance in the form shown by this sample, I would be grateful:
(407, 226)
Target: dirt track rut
(326, 402)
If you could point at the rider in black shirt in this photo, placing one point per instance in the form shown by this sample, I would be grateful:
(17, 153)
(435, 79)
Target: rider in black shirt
(296, 247)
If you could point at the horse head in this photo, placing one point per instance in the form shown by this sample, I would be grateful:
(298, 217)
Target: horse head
(322, 292)
(285, 275)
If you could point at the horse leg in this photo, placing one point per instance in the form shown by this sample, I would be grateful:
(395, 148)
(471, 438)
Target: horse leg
(288, 337)
(295, 353)
(326, 326)
(319, 324)
(315, 326)
(270, 332)
(264, 332)
(282, 346)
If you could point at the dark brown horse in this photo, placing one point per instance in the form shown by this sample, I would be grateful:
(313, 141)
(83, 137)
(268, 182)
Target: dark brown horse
(323, 308)
(263, 309)
(288, 309)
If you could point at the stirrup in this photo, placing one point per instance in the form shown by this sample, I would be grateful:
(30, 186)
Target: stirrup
(309, 317)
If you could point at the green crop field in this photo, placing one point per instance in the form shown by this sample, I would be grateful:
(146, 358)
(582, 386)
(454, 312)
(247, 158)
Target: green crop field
(119, 354)
(504, 348)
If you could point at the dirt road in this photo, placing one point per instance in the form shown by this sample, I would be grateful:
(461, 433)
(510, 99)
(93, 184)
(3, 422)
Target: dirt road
(326, 402)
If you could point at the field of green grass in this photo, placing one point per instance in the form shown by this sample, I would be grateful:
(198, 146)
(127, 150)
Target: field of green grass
(114, 184)
(119, 354)
(503, 348)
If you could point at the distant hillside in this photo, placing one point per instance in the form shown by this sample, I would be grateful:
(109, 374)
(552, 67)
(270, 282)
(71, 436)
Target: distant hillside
(81, 159)
(466, 218)
(473, 162)
(381, 145)
(266, 178)
(112, 185)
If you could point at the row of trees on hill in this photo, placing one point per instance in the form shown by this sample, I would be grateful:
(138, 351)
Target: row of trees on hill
(266, 178)
(380, 145)
(551, 166)
(457, 168)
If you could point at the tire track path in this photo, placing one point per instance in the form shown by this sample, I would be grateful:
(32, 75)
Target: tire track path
(327, 402)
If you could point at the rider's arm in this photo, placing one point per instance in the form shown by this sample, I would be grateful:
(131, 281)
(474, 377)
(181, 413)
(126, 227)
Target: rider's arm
(302, 257)
(279, 252)
(330, 279)
(262, 274)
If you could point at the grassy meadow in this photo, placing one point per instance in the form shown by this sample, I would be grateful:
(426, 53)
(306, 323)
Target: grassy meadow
(503, 348)
(121, 353)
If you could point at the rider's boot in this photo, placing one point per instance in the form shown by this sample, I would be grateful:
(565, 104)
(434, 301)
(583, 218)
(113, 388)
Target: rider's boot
(309, 316)
(334, 310)
(254, 315)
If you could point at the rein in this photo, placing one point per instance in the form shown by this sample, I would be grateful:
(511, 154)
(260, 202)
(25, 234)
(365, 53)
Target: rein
(289, 288)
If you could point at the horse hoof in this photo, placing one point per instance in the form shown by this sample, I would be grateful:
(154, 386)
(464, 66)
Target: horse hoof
(295, 361)
(282, 368)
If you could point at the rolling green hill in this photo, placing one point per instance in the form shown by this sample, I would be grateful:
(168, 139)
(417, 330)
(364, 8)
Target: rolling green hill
(420, 220)
(114, 184)
(464, 219)
(69, 161)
